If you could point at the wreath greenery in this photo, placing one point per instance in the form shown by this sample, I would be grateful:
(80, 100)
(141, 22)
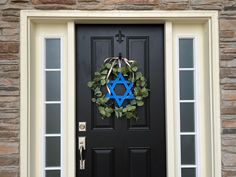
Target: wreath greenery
(107, 107)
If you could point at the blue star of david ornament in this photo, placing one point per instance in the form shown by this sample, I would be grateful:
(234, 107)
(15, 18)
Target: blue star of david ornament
(120, 98)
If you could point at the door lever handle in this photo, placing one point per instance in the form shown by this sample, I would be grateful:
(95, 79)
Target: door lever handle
(82, 147)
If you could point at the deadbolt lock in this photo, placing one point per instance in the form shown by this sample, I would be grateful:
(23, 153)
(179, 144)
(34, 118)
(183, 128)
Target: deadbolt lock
(82, 126)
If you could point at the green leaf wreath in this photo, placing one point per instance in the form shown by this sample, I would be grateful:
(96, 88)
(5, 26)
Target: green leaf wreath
(110, 68)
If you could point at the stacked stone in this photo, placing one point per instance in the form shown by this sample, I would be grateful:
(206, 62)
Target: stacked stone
(9, 89)
(9, 67)
(228, 86)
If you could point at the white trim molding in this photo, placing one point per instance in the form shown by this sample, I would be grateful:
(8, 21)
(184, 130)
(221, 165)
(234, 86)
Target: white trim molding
(31, 22)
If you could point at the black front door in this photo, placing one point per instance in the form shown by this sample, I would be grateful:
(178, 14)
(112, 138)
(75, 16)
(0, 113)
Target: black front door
(118, 147)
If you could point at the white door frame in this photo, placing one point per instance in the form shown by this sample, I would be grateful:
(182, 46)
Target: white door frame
(208, 18)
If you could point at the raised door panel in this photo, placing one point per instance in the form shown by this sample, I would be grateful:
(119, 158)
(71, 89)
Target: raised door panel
(138, 48)
(103, 162)
(101, 47)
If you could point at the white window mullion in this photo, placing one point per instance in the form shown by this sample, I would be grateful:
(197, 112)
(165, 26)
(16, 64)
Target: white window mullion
(187, 133)
(187, 101)
(52, 102)
(58, 69)
(188, 166)
(52, 168)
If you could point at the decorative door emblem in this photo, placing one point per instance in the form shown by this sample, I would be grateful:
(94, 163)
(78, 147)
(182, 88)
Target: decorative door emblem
(119, 37)
(120, 98)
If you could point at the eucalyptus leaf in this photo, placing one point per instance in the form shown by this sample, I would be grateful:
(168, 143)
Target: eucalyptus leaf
(131, 108)
(117, 114)
(138, 75)
(97, 89)
(90, 84)
(144, 92)
(98, 94)
(108, 65)
(140, 103)
(109, 110)
(138, 84)
(137, 89)
(94, 100)
(115, 69)
(138, 98)
(103, 82)
(133, 102)
(96, 73)
(125, 110)
(108, 114)
(135, 68)
(103, 77)
(104, 71)
(102, 112)
(100, 108)
(128, 116)
(123, 70)
(142, 83)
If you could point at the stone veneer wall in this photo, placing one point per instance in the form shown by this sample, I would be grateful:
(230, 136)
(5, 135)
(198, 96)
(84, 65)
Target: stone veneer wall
(9, 67)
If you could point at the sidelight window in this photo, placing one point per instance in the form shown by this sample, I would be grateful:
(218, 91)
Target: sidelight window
(52, 104)
(187, 105)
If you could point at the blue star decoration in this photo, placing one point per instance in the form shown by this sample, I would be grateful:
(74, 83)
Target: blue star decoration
(120, 98)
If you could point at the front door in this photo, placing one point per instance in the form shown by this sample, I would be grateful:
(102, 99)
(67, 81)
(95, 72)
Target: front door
(119, 147)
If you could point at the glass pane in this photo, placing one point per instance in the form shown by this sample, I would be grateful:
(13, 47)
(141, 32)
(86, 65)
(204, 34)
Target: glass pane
(188, 172)
(53, 173)
(53, 86)
(188, 149)
(53, 121)
(187, 117)
(52, 53)
(186, 53)
(186, 85)
(53, 150)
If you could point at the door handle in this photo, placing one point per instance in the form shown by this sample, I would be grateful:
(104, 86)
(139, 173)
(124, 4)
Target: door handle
(82, 147)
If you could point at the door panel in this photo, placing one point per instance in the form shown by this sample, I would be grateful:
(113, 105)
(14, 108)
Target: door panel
(101, 47)
(139, 157)
(103, 158)
(138, 48)
(119, 147)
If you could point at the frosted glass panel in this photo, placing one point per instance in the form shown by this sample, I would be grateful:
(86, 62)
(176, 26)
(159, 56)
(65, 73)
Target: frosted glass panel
(53, 86)
(53, 150)
(53, 173)
(186, 53)
(187, 117)
(186, 85)
(188, 149)
(188, 172)
(53, 121)
(53, 53)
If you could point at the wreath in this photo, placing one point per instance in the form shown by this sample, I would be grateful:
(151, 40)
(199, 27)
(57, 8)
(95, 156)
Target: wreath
(118, 71)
